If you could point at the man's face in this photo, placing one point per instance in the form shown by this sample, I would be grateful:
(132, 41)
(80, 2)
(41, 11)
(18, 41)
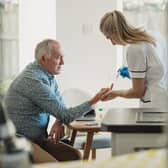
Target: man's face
(55, 61)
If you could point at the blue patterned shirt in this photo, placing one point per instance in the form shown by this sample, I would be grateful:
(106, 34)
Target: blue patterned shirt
(32, 97)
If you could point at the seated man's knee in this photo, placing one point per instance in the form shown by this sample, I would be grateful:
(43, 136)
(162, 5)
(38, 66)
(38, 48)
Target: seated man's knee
(41, 156)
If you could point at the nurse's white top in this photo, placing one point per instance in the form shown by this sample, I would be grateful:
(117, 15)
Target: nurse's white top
(143, 62)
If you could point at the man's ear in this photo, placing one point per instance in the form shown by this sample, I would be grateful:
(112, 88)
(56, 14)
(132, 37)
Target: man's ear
(43, 59)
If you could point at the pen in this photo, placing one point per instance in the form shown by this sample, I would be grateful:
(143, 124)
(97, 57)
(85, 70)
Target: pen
(111, 86)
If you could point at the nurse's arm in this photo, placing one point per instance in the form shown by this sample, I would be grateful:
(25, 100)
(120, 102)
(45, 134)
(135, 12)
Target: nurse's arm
(137, 90)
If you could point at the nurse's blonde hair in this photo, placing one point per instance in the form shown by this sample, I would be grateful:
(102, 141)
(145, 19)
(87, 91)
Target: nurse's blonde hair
(116, 23)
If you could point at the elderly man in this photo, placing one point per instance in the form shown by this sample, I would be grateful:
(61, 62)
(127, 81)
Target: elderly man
(34, 96)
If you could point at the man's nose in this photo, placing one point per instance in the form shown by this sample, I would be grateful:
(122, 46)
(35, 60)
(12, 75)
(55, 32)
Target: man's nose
(62, 61)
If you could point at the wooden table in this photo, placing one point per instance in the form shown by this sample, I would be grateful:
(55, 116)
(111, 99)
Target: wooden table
(84, 126)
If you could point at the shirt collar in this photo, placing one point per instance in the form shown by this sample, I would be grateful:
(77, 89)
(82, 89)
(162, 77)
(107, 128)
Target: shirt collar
(50, 76)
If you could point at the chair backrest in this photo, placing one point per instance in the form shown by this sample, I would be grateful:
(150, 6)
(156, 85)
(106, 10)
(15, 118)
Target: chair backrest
(75, 96)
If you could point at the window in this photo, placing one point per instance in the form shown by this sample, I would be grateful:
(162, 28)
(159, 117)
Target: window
(9, 57)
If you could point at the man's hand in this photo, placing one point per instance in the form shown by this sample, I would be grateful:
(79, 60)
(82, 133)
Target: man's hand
(56, 132)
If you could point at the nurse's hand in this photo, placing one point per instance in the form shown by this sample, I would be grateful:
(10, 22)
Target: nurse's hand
(109, 95)
(98, 96)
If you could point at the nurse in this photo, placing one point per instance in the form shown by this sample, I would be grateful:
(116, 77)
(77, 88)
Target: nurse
(145, 67)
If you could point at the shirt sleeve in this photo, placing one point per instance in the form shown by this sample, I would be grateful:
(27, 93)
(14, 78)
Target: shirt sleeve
(136, 60)
(41, 94)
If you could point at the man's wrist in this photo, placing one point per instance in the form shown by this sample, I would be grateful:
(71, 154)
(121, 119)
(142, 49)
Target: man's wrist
(91, 102)
(58, 122)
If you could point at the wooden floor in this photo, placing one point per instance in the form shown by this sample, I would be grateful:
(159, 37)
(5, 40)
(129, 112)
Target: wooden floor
(102, 154)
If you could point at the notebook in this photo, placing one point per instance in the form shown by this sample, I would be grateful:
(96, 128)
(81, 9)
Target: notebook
(88, 116)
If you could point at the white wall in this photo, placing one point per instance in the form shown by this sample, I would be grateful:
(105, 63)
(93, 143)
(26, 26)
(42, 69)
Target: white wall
(89, 56)
(37, 20)
(90, 59)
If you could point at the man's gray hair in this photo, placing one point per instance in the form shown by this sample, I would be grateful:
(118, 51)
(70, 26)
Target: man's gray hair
(44, 48)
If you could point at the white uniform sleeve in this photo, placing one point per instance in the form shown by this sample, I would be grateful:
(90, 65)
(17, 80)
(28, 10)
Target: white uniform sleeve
(136, 59)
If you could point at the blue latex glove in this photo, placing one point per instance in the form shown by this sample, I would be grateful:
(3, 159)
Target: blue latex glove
(124, 72)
